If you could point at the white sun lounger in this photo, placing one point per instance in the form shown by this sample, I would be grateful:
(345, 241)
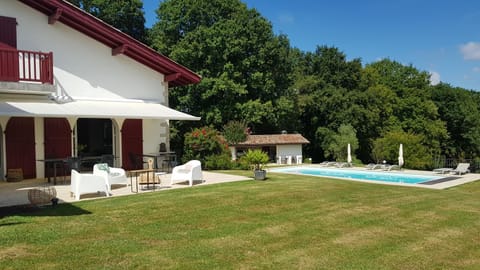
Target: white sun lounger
(442, 170)
(461, 168)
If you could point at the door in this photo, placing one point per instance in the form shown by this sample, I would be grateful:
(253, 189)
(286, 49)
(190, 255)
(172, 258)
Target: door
(132, 144)
(20, 145)
(58, 140)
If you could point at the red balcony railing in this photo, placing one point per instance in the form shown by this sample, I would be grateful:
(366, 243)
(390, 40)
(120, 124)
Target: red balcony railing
(17, 65)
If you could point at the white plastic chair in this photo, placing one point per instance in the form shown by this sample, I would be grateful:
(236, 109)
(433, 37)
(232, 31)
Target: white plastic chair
(189, 171)
(299, 159)
(289, 160)
(87, 183)
(115, 176)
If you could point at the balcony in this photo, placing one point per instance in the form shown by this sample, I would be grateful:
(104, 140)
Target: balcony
(25, 66)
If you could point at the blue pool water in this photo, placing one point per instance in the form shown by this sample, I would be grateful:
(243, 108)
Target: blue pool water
(359, 175)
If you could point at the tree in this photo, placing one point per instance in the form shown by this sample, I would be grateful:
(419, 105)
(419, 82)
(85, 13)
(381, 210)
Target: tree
(413, 109)
(416, 153)
(125, 15)
(460, 110)
(335, 143)
(235, 132)
(327, 88)
(245, 67)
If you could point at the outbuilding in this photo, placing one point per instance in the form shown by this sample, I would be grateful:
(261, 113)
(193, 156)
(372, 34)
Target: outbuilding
(281, 148)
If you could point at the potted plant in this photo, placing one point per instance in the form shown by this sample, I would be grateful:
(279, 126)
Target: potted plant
(257, 160)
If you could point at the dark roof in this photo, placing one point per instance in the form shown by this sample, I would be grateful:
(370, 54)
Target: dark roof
(273, 139)
(121, 43)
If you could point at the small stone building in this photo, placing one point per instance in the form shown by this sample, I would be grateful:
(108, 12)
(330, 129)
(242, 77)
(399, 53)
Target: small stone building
(281, 148)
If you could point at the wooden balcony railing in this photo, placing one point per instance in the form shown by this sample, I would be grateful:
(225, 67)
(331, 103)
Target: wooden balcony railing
(18, 65)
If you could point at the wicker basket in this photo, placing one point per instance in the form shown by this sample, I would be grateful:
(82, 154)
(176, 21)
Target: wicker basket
(41, 196)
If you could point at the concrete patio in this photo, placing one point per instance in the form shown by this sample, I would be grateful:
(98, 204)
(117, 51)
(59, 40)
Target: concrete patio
(16, 193)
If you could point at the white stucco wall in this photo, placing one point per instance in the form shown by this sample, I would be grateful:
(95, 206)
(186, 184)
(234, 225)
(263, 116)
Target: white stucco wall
(152, 135)
(289, 150)
(83, 67)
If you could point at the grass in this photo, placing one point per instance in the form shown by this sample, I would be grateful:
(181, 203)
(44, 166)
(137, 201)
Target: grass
(286, 222)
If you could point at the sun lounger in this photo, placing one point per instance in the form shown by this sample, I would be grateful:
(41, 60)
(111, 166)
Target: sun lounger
(373, 166)
(391, 167)
(328, 163)
(369, 166)
(461, 168)
(442, 170)
(343, 164)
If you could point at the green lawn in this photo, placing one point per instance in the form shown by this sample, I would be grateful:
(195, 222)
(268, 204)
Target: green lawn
(286, 222)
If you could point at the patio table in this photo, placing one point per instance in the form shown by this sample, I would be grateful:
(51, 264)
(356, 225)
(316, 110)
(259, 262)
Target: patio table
(54, 162)
(152, 178)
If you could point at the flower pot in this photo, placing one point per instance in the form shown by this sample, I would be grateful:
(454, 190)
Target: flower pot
(260, 174)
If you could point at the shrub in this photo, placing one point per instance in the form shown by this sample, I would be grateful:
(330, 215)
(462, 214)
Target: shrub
(256, 158)
(218, 162)
(415, 153)
(241, 164)
(204, 142)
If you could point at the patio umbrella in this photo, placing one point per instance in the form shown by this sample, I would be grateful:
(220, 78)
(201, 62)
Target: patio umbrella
(400, 155)
(349, 154)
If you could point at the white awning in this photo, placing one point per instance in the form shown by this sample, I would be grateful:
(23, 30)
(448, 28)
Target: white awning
(92, 109)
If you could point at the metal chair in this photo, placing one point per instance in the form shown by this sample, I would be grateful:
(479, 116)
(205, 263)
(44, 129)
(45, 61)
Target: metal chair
(109, 159)
(136, 161)
(74, 163)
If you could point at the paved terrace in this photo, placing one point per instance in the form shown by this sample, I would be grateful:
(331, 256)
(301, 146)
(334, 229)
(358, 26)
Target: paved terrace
(16, 193)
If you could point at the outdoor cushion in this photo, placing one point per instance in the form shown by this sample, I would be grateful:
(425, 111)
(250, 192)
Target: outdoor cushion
(103, 167)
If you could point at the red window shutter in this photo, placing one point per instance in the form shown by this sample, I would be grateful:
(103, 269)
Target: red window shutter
(8, 31)
(20, 145)
(132, 144)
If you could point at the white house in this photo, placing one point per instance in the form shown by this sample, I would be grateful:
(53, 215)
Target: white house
(71, 84)
(282, 148)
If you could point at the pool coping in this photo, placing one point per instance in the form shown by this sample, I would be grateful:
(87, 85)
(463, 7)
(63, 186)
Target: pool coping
(454, 180)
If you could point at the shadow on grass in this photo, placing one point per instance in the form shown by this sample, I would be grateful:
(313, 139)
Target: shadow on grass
(64, 209)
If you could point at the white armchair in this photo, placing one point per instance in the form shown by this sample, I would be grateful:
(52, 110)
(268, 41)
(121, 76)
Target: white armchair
(87, 183)
(189, 171)
(299, 159)
(115, 176)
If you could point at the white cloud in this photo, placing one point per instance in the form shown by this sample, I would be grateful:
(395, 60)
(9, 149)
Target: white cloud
(476, 69)
(434, 78)
(471, 51)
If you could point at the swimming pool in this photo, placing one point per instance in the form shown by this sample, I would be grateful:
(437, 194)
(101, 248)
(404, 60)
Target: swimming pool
(360, 175)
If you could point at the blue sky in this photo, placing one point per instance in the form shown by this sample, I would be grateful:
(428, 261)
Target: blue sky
(441, 36)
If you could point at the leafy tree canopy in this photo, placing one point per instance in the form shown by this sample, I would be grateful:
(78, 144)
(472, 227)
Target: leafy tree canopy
(251, 74)
(125, 15)
(245, 67)
(415, 152)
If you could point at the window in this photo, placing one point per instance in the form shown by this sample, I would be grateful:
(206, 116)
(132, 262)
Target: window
(8, 31)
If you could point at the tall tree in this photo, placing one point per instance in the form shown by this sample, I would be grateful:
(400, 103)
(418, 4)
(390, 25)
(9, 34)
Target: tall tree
(327, 86)
(413, 109)
(460, 109)
(126, 15)
(245, 67)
